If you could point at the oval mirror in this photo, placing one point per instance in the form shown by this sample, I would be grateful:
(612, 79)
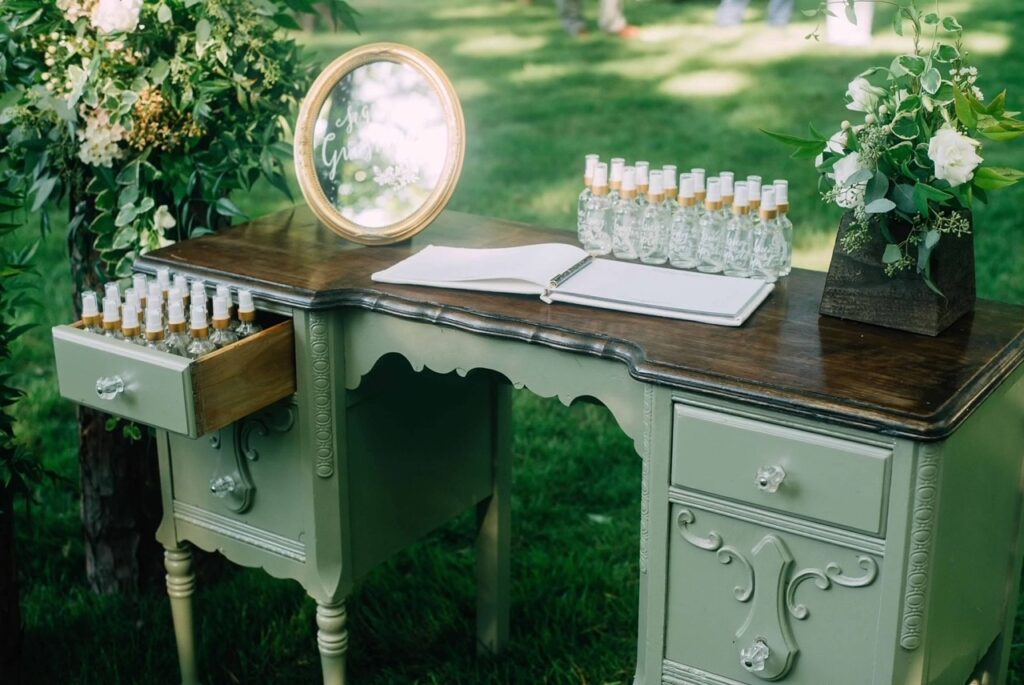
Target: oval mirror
(379, 143)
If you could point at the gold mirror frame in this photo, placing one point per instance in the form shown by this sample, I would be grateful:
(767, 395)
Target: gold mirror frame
(303, 150)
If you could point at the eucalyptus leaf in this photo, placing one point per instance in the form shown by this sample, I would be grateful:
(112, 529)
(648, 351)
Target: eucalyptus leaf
(880, 206)
(892, 254)
(877, 187)
(931, 238)
(858, 177)
(903, 196)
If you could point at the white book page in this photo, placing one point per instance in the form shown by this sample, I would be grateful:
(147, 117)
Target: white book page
(527, 269)
(648, 289)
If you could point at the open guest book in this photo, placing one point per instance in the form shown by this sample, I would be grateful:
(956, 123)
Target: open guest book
(565, 273)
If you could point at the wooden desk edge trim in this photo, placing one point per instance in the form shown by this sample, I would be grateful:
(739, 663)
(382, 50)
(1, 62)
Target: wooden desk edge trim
(942, 422)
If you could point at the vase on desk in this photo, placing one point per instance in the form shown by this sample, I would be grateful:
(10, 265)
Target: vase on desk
(857, 287)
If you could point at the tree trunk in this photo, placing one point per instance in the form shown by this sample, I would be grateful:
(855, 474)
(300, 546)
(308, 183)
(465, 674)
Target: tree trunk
(10, 614)
(120, 478)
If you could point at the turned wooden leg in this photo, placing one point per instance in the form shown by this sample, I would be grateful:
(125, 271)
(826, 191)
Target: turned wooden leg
(493, 533)
(332, 638)
(181, 583)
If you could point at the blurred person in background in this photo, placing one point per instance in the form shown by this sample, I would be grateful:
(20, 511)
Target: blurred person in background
(610, 18)
(730, 12)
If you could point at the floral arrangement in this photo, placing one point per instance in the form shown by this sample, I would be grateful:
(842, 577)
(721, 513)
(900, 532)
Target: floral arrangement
(915, 162)
(148, 114)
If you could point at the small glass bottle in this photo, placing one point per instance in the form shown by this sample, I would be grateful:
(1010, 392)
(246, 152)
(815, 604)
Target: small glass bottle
(615, 179)
(222, 334)
(111, 318)
(155, 330)
(785, 226)
(198, 294)
(112, 291)
(754, 193)
(581, 203)
(131, 331)
(764, 262)
(739, 236)
(668, 183)
(201, 345)
(131, 297)
(712, 232)
(91, 320)
(685, 233)
(163, 279)
(177, 339)
(643, 180)
(652, 245)
(727, 179)
(699, 191)
(599, 215)
(181, 285)
(225, 292)
(141, 286)
(246, 315)
(626, 217)
(155, 297)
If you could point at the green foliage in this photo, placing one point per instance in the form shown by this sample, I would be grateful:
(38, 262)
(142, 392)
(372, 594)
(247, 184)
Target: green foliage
(150, 127)
(915, 160)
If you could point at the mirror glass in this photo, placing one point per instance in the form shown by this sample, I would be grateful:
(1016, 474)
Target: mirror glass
(380, 143)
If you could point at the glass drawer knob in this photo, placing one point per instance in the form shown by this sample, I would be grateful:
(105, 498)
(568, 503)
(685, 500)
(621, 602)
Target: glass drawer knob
(769, 478)
(755, 657)
(222, 486)
(109, 387)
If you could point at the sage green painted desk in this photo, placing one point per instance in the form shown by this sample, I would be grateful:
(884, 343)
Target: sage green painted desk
(822, 502)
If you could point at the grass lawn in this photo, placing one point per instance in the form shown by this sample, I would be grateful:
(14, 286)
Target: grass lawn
(535, 103)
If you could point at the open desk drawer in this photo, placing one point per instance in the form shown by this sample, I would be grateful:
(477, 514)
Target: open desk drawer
(171, 392)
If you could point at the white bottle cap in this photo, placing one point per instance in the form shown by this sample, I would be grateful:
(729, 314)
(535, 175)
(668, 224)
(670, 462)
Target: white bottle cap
(698, 179)
(591, 162)
(89, 307)
(754, 186)
(199, 292)
(181, 283)
(727, 178)
(176, 312)
(742, 199)
(656, 185)
(686, 185)
(175, 295)
(601, 175)
(163, 277)
(616, 171)
(224, 291)
(714, 190)
(245, 301)
(642, 175)
(111, 310)
(220, 307)
(199, 316)
(131, 298)
(668, 175)
(130, 316)
(618, 160)
(768, 198)
(629, 178)
(155, 297)
(112, 290)
(782, 192)
(154, 322)
(139, 283)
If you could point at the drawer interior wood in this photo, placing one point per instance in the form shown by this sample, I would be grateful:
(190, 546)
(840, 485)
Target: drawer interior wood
(188, 397)
(827, 478)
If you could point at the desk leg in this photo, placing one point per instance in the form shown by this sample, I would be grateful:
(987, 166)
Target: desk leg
(181, 583)
(332, 638)
(494, 531)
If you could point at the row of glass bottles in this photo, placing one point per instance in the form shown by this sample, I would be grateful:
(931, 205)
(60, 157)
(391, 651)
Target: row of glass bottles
(714, 225)
(160, 305)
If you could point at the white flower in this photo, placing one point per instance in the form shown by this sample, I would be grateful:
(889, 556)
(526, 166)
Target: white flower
(835, 144)
(73, 9)
(955, 156)
(162, 219)
(113, 16)
(99, 140)
(849, 195)
(863, 96)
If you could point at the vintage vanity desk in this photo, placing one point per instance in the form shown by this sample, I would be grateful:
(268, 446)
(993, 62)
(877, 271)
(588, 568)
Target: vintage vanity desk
(822, 502)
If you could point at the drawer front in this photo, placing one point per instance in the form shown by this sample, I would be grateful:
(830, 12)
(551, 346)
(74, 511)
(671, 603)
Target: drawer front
(825, 478)
(815, 606)
(157, 387)
(182, 396)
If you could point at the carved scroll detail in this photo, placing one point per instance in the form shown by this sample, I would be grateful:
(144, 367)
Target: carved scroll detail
(645, 475)
(323, 407)
(833, 573)
(926, 495)
(712, 543)
(728, 554)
